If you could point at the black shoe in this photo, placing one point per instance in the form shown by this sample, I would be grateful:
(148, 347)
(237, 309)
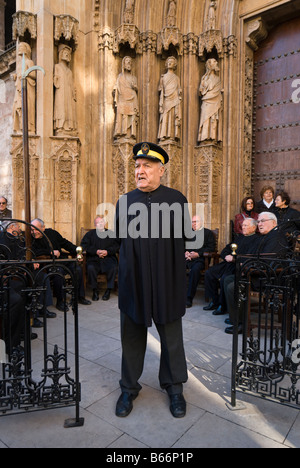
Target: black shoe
(178, 405)
(189, 303)
(228, 321)
(230, 330)
(124, 404)
(95, 295)
(84, 301)
(48, 314)
(106, 295)
(210, 306)
(61, 306)
(37, 323)
(219, 311)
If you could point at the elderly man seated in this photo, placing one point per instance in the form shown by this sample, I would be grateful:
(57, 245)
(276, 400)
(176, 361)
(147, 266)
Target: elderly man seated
(101, 248)
(272, 241)
(194, 258)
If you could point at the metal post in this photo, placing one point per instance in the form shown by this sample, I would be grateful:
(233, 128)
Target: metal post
(26, 156)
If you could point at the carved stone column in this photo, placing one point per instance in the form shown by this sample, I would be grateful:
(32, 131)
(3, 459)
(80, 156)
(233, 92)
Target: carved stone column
(123, 169)
(65, 154)
(208, 166)
(173, 173)
(16, 151)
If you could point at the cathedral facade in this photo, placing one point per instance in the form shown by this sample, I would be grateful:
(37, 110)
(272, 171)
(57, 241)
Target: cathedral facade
(215, 83)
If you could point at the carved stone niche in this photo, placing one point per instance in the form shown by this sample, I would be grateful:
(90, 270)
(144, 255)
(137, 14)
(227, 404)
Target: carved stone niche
(127, 33)
(123, 169)
(16, 151)
(24, 21)
(66, 26)
(166, 37)
(65, 154)
(208, 166)
(210, 40)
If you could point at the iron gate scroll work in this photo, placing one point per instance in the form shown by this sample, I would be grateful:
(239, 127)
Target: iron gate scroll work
(266, 363)
(30, 382)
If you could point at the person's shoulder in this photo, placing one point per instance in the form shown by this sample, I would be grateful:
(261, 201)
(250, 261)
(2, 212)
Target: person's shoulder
(173, 193)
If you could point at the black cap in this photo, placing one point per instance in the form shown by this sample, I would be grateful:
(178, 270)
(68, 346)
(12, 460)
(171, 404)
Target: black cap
(150, 151)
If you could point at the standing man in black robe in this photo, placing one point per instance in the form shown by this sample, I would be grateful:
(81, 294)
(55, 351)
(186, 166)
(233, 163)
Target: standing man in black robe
(152, 278)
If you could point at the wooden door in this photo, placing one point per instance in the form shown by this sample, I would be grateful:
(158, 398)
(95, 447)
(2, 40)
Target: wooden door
(276, 138)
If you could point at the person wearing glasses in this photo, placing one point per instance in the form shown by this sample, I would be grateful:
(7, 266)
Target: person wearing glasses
(4, 211)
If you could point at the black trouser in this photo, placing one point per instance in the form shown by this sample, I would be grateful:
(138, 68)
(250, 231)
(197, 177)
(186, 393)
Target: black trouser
(195, 267)
(173, 368)
(95, 268)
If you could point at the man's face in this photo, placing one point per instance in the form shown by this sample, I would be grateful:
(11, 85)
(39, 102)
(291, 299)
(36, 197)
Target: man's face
(248, 228)
(14, 229)
(35, 233)
(3, 204)
(148, 174)
(196, 223)
(265, 224)
(100, 224)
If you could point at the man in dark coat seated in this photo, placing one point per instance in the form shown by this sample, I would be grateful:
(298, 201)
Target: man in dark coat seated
(101, 247)
(194, 258)
(215, 275)
(42, 248)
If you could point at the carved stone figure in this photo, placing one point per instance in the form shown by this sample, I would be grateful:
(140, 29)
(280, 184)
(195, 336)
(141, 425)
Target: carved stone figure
(171, 16)
(211, 17)
(170, 103)
(65, 122)
(25, 49)
(129, 12)
(210, 90)
(126, 103)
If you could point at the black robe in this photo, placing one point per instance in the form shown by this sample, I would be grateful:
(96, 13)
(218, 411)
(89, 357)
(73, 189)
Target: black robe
(152, 272)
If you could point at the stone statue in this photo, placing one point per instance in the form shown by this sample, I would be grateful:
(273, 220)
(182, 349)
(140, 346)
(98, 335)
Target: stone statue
(171, 16)
(210, 90)
(25, 49)
(126, 103)
(129, 11)
(170, 103)
(211, 17)
(65, 122)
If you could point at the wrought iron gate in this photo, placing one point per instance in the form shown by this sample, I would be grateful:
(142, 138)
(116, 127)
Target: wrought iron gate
(29, 382)
(266, 362)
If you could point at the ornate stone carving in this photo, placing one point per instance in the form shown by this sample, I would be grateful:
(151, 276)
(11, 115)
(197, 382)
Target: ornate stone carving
(248, 123)
(208, 167)
(123, 169)
(16, 151)
(173, 173)
(22, 21)
(208, 40)
(168, 36)
(255, 33)
(129, 11)
(106, 39)
(66, 26)
(127, 33)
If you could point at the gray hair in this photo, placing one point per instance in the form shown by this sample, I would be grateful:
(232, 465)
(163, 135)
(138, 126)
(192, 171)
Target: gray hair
(269, 214)
(39, 220)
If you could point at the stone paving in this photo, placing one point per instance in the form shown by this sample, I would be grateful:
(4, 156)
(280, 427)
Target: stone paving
(209, 422)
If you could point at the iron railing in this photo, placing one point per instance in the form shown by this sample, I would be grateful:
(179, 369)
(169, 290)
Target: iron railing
(51, 380)
(266, 359)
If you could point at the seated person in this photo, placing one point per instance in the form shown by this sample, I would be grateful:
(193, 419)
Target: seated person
(267, 202)
(247, 211)
(215, 275)
(287, 217)
(41, 248)
(13, 248)
(100, 256)
(272, 241)
(4, 211)
(195, 260)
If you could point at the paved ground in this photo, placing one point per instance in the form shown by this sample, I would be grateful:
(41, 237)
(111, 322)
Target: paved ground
(208, 423)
